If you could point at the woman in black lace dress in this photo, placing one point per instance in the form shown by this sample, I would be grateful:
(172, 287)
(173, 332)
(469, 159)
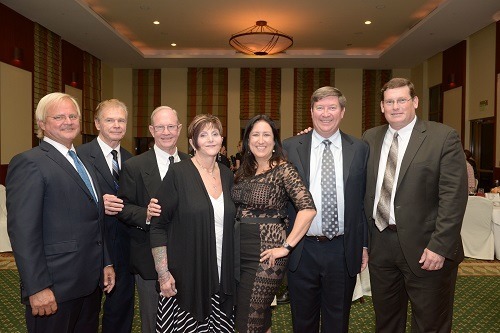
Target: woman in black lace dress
(264, 184)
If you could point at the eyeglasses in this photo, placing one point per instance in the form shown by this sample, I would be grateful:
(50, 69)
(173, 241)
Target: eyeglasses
(170, 128)
(399, 101)
(62, 117)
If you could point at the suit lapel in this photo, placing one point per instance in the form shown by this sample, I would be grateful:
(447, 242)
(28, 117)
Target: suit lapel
(61, 160)
(347, 156)
(304, 153)
(417, 137)
(100, 164)
(151, 174)
(379, 140)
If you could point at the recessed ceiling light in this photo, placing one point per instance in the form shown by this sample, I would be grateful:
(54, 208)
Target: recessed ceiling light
(173, 44)
(380, 6)
(368, 22)
(156, 22)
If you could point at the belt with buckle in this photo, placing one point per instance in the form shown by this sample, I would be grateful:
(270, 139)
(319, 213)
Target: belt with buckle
(319, 238)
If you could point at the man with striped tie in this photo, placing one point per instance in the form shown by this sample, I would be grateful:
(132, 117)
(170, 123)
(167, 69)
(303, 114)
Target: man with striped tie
(106, 156)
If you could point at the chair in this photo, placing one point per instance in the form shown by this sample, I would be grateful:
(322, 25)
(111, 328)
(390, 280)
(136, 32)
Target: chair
(477, 229)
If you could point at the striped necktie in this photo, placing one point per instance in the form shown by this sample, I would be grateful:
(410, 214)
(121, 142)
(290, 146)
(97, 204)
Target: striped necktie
(383, 213)
(116, 168)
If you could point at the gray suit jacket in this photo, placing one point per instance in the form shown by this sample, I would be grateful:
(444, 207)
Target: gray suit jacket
(431, 194)
(355, 156)
(55, 226)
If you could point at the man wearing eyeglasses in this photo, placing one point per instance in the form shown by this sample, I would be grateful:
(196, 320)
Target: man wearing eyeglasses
(140, 179)
(106, 156)
(55, 224)
(416, 193)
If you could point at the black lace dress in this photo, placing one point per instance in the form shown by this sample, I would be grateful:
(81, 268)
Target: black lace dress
(261, 201)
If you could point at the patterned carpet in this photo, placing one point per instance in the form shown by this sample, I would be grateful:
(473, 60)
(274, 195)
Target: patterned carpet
(476, 302)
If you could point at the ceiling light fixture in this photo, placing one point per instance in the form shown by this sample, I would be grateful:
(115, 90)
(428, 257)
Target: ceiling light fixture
(156, 22)
(368, 22)
(260, 40)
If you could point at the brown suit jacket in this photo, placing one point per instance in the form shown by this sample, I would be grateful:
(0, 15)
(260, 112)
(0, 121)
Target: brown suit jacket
(431, 194)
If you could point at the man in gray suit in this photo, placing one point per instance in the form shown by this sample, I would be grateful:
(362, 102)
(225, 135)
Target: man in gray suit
(323, 266)
(140, 179)
(55, 225)
(106, 157)
(416, 195)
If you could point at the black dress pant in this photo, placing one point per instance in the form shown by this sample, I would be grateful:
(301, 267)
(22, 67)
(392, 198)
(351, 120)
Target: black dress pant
(79, 315)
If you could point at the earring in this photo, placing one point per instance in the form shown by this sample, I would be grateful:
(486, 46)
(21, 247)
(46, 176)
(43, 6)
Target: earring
(274, 150)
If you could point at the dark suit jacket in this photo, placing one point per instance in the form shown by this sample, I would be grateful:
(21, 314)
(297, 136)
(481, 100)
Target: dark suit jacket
(355, 155)
(139, 182)
(92, 154)
(431, 193)
(55, 226)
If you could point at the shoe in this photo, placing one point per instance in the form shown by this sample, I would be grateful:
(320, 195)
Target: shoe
(284, 299)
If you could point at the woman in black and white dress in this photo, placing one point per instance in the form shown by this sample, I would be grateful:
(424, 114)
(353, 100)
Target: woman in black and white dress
(192, 239)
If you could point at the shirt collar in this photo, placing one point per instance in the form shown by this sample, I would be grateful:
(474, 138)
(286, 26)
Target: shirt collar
(106, 150)
(59, 146)
(164, 155)
(404, 132)
(317, 139)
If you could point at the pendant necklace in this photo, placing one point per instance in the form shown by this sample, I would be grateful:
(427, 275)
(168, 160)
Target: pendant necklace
(211, 173)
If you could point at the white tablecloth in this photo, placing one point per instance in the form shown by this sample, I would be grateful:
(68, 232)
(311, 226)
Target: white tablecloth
(496, 228)
(4, 237)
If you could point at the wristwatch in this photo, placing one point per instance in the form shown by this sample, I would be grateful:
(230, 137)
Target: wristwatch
(287, 246)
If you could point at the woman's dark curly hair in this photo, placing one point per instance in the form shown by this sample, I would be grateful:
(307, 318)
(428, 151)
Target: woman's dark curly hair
(249, 165)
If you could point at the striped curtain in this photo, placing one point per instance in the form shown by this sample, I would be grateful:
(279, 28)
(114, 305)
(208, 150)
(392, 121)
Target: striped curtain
(48, 65)
(91, 91)
(207, 93)
(260, 93)
(146, 90)
(373, 80)
(305, 82)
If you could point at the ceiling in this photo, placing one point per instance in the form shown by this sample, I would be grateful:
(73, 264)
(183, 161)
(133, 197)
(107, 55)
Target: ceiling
(326, 33)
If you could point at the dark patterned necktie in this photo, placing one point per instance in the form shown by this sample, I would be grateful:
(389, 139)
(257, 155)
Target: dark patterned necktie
(83, 174)
(171, 159)
(116, 168)
(384, 203)
(329, 211)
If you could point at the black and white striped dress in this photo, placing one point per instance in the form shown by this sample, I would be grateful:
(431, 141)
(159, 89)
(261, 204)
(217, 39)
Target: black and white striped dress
(170, 316)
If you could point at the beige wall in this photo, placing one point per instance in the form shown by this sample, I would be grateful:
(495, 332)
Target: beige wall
(16, 111)
(481, 73)
(350, 83)
(452, 108)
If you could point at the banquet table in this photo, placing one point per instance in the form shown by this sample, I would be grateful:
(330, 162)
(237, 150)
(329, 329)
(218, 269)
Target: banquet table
(496, 228)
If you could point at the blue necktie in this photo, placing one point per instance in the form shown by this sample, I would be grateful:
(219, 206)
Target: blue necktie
(83, 174)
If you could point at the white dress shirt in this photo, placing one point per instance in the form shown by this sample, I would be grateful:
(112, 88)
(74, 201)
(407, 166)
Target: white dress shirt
(162, 158)
(317, 148)
(404, 135)
(106, 150)
(64, 151)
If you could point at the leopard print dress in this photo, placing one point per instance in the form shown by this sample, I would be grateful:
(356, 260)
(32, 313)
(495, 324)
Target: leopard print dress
(262, 202)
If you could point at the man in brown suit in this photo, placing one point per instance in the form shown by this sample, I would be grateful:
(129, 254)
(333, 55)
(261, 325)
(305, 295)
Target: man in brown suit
(415, 201)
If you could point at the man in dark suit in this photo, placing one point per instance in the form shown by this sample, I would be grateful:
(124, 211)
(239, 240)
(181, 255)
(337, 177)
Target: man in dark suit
(140, 179)
(101, 153)
(55, 225)
(416, 195)
(322, 270)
